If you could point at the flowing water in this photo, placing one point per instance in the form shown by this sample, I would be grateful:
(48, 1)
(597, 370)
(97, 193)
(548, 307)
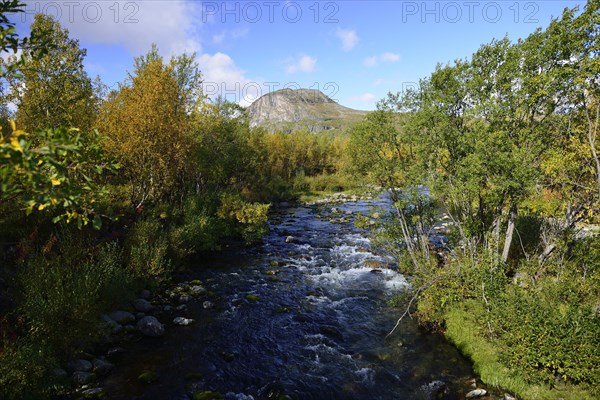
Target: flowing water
(313, 327)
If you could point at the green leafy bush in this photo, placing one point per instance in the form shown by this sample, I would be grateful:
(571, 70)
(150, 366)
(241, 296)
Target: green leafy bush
(147, 245)
(26, 370)
(70, 290)
(552, 331)
(198, 229)
(250, 219)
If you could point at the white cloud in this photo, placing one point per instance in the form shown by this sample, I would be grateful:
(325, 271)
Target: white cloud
(221, 76)
(218, 39)
(303, 64)
(348, 37)
(233, 34)
(134, 25)
(385, 57)
(239, 33)
(390, 57)
(364, 98)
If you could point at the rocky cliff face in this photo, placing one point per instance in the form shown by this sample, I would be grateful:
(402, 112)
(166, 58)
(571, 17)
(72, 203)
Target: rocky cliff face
(309, 109)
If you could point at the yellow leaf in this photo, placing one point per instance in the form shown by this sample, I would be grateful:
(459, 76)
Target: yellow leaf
(13, 125)
(55, 182)
(41, 207)
(14, 142)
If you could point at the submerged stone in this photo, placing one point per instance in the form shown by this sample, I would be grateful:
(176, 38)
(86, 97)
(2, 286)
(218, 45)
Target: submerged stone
(207, 395)
(94, 393)
(102, 367)
(148, 377)
(193, 376)
(252, 297)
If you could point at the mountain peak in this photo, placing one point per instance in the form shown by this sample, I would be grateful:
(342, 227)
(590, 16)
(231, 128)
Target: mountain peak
(295, 109)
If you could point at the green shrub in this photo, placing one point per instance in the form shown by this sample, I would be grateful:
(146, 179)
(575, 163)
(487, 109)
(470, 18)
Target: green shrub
(248, 219)
(197, 230)
(147, 246)
(300, 182)
(330, 182)
(70, 290)
(26, 370)
(551, 331)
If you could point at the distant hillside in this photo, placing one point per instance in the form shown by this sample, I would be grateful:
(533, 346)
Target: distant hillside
(302, 109)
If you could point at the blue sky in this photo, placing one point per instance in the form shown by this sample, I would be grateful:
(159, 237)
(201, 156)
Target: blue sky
(354, 51)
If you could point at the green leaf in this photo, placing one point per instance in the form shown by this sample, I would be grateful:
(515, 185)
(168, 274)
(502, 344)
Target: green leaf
(97, 222)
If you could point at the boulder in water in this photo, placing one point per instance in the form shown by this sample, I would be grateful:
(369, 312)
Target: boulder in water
(150, 326)
(122, 317)
(207, 395)
(102, 367)
(148, 376)
(83, 378)
(80, 365)
(181, 321)
(142, 305)
(291, 239)
(476, 393)
(94, 393)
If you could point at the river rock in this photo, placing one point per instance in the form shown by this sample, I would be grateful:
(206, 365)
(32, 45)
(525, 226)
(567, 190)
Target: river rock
(475, 393)
(291, 239)
(80, 365)
(207, 304)
(509, 397)
(197, 290)
(122, 317)
(115, 352)
(185, 298)
(115, 327)
(102, 367)
(142, 305)
(207, 395)
(436, 390)
(145, 294)
(181, 307)
(150, 326)
(373, 264)
(148, 376)
(94, 393)
(182, 321)
(82, 378)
